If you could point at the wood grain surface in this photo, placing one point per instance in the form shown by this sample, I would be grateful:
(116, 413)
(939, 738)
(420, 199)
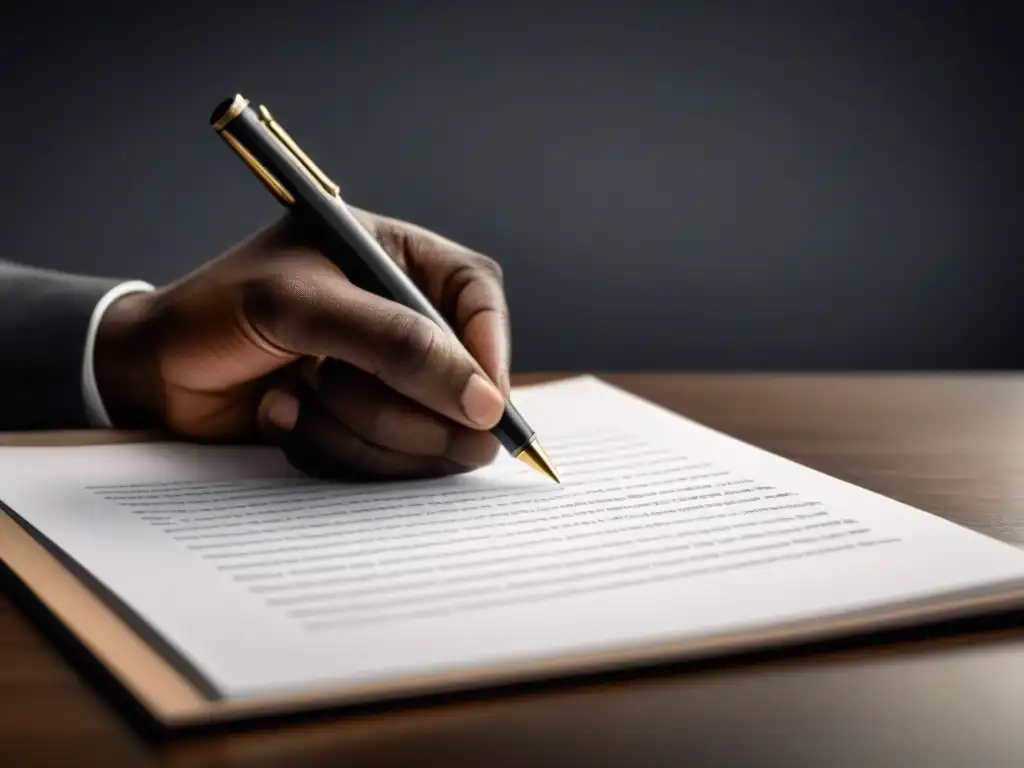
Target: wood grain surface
(942, 696)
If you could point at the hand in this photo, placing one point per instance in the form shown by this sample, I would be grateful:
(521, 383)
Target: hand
(270, 341)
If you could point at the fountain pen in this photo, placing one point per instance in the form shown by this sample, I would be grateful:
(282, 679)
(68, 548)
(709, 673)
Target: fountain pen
(298, 184)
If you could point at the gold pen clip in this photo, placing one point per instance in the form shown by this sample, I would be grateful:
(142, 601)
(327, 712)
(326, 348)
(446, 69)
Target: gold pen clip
(318, 177)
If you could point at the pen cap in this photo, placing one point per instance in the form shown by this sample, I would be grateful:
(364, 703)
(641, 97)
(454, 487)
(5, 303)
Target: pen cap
(256, 129)
(232, 120)
(233, 105)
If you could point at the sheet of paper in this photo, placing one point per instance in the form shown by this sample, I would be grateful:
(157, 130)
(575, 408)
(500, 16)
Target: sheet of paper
(268, 581)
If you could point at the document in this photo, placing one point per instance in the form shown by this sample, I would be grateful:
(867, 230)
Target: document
(260, 580)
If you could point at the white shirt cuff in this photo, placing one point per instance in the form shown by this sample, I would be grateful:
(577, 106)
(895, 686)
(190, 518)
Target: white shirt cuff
(94, 408)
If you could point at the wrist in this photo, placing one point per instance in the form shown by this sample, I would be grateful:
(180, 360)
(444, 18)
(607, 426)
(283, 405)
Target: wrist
(126, 363)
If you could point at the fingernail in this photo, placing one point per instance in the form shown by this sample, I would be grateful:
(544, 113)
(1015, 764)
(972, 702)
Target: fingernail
(482, 402)
(283, 411)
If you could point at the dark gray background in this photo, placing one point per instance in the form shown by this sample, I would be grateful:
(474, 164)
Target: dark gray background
(668, 185)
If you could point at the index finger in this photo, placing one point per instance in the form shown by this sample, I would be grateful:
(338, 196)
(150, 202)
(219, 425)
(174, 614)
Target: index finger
(466, 287)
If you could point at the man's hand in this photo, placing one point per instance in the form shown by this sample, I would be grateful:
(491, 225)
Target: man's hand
(271, 341)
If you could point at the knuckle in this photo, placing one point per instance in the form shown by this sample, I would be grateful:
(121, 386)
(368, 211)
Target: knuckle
(490, 266)
(412, 344)
(476, 278)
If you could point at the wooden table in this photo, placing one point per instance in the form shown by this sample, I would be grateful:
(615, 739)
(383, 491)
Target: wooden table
(953, 445)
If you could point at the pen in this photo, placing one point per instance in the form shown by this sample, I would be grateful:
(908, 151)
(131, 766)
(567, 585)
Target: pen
(298, 184)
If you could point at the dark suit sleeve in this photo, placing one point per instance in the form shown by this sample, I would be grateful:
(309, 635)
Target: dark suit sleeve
(44, 319)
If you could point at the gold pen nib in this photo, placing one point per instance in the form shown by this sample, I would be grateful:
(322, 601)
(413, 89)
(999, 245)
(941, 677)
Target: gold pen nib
(533, 455)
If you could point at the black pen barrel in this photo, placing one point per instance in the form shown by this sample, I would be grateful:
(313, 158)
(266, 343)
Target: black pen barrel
(313, 198)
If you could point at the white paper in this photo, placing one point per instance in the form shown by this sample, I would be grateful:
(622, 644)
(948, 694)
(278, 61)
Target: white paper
(267, 581)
